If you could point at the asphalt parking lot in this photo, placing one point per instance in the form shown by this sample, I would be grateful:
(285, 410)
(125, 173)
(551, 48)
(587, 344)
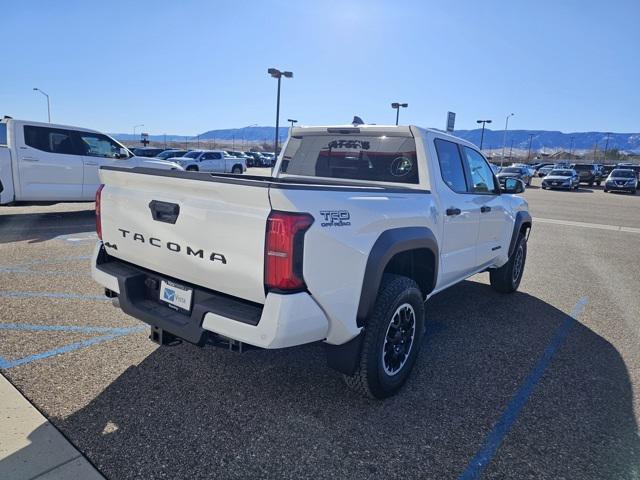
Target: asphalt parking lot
(544, 383)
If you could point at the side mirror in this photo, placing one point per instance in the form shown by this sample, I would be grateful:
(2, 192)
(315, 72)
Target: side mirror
(123, 153)
(513, 185)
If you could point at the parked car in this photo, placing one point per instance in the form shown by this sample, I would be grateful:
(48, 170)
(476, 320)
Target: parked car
(631, 166)
(561, 178)
(530, 168)
(538, 166)
(311, 255)
(496, 168)
(543, 171)
(588, 173)
(211, 161)
(147, 151)
(270, 158)
(521, 173)
(55, 163)
(171, 153)
(621, 179)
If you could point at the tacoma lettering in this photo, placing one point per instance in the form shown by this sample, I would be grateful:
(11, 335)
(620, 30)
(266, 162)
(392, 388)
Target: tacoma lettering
(173, 246)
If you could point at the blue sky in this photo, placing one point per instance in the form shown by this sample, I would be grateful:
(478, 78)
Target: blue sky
(185, 67)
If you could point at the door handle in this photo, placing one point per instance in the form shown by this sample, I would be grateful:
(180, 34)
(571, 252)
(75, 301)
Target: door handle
(26, 159)
(164, 211)
(91, 163)
(485, 209)
(453, 211)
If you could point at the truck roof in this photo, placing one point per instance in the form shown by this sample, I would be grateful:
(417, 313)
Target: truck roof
(397, 130)
(48, 125)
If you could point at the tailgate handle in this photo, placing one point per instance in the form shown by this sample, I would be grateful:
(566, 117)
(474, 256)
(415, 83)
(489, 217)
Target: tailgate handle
(164, 211)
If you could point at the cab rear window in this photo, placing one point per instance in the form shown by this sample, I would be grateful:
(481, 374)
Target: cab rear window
(352, 157)
(3, 134)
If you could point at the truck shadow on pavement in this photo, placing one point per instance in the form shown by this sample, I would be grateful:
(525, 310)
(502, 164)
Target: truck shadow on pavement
(186, 412)
(40, 227)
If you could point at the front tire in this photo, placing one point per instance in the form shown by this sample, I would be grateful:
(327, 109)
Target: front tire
(192, 168)
(392, 338)
(506, 279)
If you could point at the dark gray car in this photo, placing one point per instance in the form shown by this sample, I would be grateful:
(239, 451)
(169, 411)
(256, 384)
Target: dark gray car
(521, 173)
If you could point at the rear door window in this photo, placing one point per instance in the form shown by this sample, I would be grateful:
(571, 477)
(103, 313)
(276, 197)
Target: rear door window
(354, 157)
(451, 167)
(53, 140)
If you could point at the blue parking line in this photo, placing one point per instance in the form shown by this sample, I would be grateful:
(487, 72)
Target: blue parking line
(26, 266)
(6, 364)
(48, 261)
(501, 428)
(70, 296)
(66, 328)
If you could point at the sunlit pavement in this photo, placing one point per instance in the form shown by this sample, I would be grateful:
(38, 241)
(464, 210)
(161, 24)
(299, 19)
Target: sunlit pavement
(539, 384)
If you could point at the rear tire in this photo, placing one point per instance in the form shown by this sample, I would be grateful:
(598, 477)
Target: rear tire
(392, 338)
(606, 191)
(591, 184)
(506, 279)
(237, 170)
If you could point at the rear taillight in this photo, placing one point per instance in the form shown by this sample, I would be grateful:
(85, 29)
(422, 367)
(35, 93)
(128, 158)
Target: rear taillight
(98, 220)
(284, 250)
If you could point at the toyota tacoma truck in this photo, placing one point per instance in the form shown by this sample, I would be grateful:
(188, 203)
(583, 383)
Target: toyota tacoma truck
(356, 228)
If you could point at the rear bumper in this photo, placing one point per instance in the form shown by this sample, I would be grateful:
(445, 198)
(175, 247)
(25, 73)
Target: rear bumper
(283, 320)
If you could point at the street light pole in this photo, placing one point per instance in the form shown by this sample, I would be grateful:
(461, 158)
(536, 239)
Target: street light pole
(606, 146)
(571, 147)
(529, 153)
(275, 73)
(504, 138)
(397, 106)
(48, 104)
(292, 121)
(482, 135)
(134, 130)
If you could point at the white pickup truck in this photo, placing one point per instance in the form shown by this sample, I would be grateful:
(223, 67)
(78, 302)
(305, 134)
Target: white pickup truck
(216, 161)
(51, 163)
(357, 228)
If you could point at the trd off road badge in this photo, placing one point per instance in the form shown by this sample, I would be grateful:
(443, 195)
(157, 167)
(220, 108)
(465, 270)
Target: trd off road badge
(335, 218)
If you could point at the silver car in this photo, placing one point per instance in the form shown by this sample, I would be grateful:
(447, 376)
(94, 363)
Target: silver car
(565, 178)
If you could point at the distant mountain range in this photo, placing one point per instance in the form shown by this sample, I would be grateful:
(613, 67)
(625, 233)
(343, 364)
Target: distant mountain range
(493, 139)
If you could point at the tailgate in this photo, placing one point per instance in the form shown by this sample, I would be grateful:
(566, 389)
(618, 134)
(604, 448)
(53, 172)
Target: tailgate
(216, 240)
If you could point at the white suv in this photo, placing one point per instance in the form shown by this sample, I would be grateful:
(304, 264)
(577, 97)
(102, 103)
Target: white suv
(211, 161)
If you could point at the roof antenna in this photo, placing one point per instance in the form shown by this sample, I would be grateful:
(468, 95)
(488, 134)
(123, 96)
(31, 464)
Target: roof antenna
(357, 121)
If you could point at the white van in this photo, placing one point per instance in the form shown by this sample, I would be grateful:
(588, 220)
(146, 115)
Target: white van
(46, 162)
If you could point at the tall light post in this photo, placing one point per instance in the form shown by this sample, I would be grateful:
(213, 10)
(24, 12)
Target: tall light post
(504, 138)
(606, 146)
(275, 73)
(529, 153)
(36, 89)
(397, 106)
(292, 121)
(571, 146)
(482, 134)
(134, 130)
